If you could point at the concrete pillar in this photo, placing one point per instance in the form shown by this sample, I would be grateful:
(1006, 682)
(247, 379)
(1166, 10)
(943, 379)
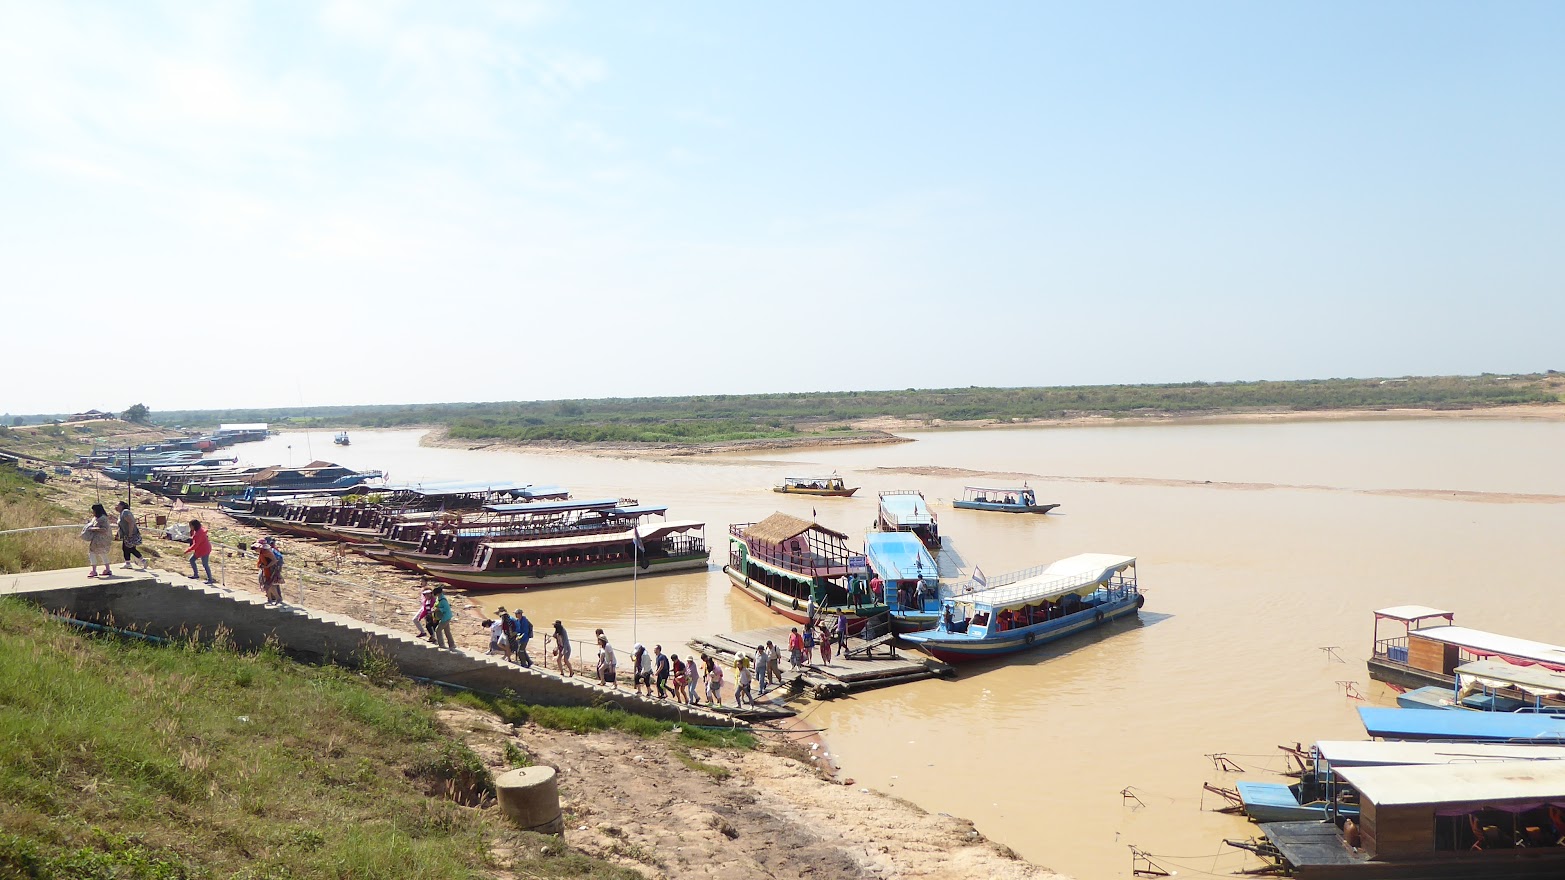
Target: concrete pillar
(530, 797)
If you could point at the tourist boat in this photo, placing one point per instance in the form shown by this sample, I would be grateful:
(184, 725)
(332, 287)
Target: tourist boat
(1006, 499)
(902, 571)
(801, 570)
(1496, 727)
(1030, 608)
(832, 486)
(1493, 686)
(904, 510)
(315, 476)
(1318, 788)
(456, 537)
(537, 562)
(1500, 820)
(1424, 647)
(341, 439)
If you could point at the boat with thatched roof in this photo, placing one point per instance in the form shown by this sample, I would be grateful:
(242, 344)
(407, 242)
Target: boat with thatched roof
(801, 570)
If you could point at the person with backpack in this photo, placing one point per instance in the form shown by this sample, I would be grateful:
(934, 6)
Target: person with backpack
(442, 620)
(269, 562)
(524, 634)
(130, 535)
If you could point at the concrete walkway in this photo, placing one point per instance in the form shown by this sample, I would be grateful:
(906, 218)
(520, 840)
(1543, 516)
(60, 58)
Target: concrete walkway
(158, 603)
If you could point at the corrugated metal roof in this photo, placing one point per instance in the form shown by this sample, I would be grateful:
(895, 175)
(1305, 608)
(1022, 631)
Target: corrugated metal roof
(1363, 753)
(1458, 784)
(1480, 642)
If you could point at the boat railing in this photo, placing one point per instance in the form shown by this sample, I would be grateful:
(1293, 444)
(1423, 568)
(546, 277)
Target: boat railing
(1393, 649)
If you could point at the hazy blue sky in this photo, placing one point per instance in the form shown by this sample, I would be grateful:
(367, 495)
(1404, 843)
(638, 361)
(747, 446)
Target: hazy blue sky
(273, 203)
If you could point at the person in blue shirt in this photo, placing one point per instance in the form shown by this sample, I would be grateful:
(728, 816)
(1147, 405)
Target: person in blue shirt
(443, 620)
(524, 631)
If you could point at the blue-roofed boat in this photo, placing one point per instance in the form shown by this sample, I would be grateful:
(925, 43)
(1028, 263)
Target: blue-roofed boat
(904, 510)
(1415, 724)
(902, 571)
(1004, 499)
(1030, 608)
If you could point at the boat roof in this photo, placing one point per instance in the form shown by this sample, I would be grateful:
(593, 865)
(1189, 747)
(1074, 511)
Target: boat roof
(554, 506)
(1480, 642)
(460, 487)
(1535, 680)
(999, 488)
(1426, 724)
(1411, 613)
(899, 556)
(779, 527)
(1486, 784)
(1065, 576)
(659, 531)
(1349, 753)
(822, 478)
(639, 510)
(907, 510)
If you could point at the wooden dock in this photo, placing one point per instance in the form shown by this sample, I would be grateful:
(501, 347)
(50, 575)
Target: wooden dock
(869, 664)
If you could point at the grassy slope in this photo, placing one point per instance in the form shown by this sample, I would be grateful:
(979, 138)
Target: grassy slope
(26, 504)
(133, 760)
(62, 443)
(732, 417)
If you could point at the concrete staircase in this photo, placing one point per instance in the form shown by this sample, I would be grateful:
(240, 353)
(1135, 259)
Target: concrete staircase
(161, 604)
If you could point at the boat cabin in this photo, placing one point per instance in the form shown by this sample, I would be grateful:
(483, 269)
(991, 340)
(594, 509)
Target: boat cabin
(1033, 596)
(798, 558)
(903, 572)
(832, 483)
(1415, 813)
(1020, 496)
(1423, 647)
(905, 510)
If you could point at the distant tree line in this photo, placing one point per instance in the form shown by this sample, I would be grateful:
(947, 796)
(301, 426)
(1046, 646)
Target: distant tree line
(710, 418)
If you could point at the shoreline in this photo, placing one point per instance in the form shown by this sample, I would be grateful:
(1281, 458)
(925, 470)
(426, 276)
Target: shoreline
(886, 430)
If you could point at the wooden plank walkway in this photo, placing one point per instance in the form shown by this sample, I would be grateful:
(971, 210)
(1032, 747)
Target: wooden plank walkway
(883, 666)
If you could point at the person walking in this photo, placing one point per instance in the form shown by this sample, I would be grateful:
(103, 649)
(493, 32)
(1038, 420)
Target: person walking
(842, 635)
(524, 634)
(795, 648)
(442, 618)
(510, 628)
(499, 634)
(774, 662)
(825, 646)
(714, 681)
(99, 535)
(640, 668)
(200, 549)
(809, 643)
(660, 669)
(606, 671)
(679, 680)
(761, 666)
(426, 604)
(692, 679)
(130, 535)
(742, 693)
(562, 650)
(269, 565)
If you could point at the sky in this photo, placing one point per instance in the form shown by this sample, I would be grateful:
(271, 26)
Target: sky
(230, 204)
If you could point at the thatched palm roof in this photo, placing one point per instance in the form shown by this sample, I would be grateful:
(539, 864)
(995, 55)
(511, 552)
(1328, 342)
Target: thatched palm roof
(779, 527)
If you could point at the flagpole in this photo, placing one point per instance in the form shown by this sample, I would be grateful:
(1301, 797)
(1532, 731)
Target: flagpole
(635, 584)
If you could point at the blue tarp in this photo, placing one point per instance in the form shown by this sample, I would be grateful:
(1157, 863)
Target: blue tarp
(1424, 724)
(899, 556)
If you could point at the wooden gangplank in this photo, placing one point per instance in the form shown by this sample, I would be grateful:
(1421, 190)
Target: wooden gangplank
(870, 664)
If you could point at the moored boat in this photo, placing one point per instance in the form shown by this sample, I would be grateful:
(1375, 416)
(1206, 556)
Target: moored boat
(1004, 499)
(902, 571)
(801, 570)
(904, 510)
(1493, 686)
(1494, 727)
(1030, 608)
(830, 487)
(341, 438)
(1424, 647)
(536, 562)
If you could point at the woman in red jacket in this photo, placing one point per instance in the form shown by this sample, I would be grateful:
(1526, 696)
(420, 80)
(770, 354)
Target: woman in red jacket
(200, 548)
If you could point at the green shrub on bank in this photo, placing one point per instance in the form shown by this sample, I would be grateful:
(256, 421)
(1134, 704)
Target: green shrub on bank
(587, 719)
(138, 761)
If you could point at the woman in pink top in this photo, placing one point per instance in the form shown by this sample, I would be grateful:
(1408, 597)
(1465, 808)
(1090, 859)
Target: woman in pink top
(200, 548)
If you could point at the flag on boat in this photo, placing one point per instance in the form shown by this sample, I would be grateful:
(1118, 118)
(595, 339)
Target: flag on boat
(979, 580)
(635, 540)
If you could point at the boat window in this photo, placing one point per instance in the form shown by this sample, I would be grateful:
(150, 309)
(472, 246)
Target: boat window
(980, 619)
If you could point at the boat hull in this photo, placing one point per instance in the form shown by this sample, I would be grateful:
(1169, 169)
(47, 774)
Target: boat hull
(1003, 508)
(1275, 802)
(953, 650)
(823, 493)
(798, 612)
(468, 578)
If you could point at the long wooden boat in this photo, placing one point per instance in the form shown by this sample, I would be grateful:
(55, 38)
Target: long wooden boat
(1493, 686)
(1004, 499)
(1031, 608)
(828, 487)
(1502, 820)
(904, 510)
(1416, 646)
(801, 570)
(1319, 789)
(903, 572)
(456, 539)
(518, 565)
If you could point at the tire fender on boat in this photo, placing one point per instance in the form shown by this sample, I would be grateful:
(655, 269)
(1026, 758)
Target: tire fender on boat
(1140, 600)
(1097, 618)
(1030, 637)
